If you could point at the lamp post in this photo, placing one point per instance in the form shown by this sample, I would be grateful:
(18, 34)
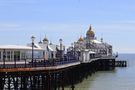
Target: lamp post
(72, 44)
(4, 57)
(60, 40)
(32, 38)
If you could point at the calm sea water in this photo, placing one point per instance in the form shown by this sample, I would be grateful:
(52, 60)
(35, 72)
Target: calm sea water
(119, 79)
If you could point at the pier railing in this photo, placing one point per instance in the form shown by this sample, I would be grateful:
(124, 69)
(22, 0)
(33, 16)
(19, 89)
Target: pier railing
(45, 63)
(37, 63)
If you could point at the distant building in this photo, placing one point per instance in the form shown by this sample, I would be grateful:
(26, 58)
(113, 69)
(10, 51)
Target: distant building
(42, 50)
(51, 50)
(89, 47)
(85, 49)
(19, 52)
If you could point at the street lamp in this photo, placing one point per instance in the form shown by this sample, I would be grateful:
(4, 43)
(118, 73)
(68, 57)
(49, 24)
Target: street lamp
(32, 38)
(4, 57)
(73, 48)
(72, 45)
(60, 40)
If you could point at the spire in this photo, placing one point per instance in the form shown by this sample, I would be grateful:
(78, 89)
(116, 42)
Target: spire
(50, 42)
(40, 42)
(101, 39)
(90, 28)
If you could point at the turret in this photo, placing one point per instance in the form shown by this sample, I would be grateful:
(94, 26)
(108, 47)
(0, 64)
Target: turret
(45, 40)
(90, 34)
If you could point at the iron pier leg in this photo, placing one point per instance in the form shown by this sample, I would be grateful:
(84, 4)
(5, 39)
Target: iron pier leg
(2, 81)
(9, 82)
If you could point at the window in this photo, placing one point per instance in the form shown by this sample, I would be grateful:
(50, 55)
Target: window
(22, 55)
(11, 53)
(4, 55)
(0, 55)
(17, 55)
(8, 55)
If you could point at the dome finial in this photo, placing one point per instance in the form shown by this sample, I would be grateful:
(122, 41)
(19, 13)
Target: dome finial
(90, 28)
(40, 42)
(101, 38)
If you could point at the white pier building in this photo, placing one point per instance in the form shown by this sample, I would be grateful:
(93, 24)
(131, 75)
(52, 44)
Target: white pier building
(42, 50)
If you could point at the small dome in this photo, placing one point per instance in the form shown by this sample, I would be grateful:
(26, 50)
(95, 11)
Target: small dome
(45, 39)
(40, 42)
(80, 39)
(90, 32)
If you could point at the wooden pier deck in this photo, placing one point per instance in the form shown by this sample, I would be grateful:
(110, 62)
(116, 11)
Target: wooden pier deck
(49, 68)
(22, 66)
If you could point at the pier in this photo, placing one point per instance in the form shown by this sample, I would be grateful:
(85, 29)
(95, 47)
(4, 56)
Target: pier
(46, 66)
(55, 76)
(121, 63)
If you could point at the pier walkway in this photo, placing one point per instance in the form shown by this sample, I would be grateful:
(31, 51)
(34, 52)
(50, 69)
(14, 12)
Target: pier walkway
(37, 66)
(44, 65)
(21, 68)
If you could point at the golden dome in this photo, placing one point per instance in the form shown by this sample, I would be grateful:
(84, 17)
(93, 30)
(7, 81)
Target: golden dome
(80, 39)
(45, 39)
(90, 32)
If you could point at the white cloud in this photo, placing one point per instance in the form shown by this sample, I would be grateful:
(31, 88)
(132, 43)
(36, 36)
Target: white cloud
(9, 26)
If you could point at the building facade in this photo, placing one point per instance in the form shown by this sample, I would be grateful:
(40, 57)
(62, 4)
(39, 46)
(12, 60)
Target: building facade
(89, 47)
(41, 51)
(17, 52)
(85, 49)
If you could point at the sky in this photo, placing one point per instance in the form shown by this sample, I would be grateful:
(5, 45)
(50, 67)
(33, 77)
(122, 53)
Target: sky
(114, 20)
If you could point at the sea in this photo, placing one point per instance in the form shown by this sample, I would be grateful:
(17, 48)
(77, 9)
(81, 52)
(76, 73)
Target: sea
(122, 78)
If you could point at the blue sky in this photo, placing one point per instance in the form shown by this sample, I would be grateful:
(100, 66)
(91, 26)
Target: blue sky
(114, 20)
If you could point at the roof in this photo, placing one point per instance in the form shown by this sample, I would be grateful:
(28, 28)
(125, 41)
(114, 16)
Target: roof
(92, 52)
(96, 41)
(52, 47)
(87, 50)
(18, 47)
